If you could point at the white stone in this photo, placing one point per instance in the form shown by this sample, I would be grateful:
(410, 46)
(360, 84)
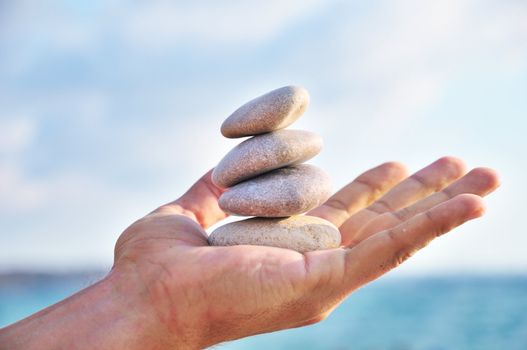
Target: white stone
(300, 233)
(273, 111)
(266, 152)
(282, 192)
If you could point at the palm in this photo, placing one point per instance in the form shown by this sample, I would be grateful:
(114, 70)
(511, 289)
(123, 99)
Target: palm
(384, 216)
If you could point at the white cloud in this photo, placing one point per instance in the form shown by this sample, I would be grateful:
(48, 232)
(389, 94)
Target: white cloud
(16, 134)
(17, 193)
(396, 63)
(162, 23)
(392, 65)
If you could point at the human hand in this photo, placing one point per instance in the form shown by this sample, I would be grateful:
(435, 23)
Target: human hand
(193, 295)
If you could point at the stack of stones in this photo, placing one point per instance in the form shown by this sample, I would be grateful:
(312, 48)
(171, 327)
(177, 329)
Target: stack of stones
(264, 177)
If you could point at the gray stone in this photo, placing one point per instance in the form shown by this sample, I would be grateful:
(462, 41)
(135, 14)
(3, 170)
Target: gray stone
(282, 192)
(273, 111)
(266, 152)
(300, 233)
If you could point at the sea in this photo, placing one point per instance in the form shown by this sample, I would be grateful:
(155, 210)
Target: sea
(394, 313)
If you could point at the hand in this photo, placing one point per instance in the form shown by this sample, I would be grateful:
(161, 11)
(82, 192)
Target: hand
(202, 295)
(169, 289)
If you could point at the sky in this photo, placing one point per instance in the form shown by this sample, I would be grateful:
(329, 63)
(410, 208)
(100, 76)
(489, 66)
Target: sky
(110, 108)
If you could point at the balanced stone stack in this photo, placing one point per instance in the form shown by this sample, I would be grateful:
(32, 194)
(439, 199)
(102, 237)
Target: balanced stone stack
(265, 177)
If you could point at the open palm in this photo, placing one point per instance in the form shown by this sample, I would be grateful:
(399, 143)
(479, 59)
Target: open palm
(202, 295)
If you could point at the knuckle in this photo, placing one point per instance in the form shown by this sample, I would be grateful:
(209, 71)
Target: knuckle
(373, 189)
(402, 214)
(392, 237)
(337, 204)
(436, 226)
(380, 207)
(420, 180)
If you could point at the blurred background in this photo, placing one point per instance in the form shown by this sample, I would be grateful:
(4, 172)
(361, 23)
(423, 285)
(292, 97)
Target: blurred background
(111, 108)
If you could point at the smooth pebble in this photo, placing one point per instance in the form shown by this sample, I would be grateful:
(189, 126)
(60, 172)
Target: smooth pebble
(273, 111)
(282, 192)
(301, 233)
(266, 152)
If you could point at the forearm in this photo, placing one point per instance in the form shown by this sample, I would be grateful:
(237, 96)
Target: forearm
(103, 316)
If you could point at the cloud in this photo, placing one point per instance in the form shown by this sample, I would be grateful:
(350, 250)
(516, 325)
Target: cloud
(16, 191)
(16, 134)
(397, 62)
(165, 23)
(109, 110)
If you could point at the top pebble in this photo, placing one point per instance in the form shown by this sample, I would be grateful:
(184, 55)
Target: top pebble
(273, 111)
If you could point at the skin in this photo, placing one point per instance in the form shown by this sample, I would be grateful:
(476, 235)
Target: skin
(168, 289)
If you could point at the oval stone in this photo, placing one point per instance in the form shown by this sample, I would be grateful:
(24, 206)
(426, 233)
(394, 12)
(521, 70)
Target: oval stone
(273, 111)
(266, 152)
(282, 192)
(300, 233)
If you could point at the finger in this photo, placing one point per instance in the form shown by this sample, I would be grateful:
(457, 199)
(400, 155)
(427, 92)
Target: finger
(360, 192)
(479, 181)
(200, 203)
(387, 249)
(424, 182)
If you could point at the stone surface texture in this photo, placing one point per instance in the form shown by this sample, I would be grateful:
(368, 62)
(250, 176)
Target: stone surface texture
(283, 192)
(273, 111)
(266, 152)
(300, 233)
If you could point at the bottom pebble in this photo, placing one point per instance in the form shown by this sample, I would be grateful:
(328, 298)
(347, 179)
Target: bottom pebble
(301, 233)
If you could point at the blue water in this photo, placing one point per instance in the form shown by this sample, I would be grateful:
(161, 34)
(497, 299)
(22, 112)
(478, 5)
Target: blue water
(393, 313)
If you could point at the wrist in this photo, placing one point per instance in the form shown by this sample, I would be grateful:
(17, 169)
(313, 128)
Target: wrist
(127, 320)
(166, 314)
(107, 315)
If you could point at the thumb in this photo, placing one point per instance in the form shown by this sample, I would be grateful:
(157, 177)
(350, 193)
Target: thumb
(200, 202)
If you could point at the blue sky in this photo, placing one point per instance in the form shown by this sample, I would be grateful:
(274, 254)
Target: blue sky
(110, 108)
